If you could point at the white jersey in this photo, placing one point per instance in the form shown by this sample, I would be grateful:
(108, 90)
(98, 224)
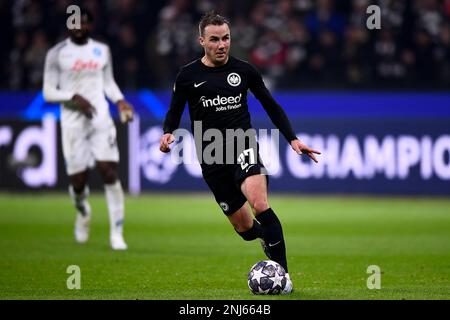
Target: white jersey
(85, 70)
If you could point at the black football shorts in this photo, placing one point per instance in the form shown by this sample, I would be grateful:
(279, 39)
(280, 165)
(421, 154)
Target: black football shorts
(225, 183)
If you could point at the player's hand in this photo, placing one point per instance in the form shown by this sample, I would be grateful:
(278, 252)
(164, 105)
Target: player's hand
(164, 142)
(84, 106)
(301, 148)
(125, 111)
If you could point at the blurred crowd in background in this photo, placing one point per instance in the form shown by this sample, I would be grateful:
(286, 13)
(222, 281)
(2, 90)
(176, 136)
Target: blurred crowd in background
(296, 44)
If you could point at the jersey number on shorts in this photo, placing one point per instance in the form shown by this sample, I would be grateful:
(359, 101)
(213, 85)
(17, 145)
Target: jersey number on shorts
(246, 154)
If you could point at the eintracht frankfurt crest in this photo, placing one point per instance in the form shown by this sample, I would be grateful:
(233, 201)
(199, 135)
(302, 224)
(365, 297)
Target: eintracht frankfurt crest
(234, 79)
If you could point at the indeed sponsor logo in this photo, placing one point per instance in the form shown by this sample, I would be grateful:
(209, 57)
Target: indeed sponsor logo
(221, 102)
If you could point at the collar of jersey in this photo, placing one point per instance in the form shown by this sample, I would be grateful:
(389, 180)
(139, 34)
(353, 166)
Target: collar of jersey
(215, 69)
(79, 45)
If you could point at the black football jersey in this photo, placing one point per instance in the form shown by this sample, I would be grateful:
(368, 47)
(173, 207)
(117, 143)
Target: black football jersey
(217, 96)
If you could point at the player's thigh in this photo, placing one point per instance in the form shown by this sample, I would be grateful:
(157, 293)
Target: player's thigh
(242, 219)
(252, 179)
(76, 150)
(225, 191)
(104, 144)
(254, 188)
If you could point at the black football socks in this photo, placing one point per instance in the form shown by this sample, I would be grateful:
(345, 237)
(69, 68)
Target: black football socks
(273, 236)
(256, 231)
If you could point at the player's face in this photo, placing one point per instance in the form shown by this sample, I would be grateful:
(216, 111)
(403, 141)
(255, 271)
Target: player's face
(216, 42)
(81, 35)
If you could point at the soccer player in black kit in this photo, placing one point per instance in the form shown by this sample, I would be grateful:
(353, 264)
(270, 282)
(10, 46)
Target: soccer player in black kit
(215, 88)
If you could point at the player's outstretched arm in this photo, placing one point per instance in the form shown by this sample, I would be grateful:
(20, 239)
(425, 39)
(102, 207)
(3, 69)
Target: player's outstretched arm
(126, 111)
(301, 148)
(164, 142)
(277, 115)
(173, 116)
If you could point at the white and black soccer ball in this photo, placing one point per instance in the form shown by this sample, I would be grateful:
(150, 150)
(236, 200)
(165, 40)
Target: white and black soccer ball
(267, 277)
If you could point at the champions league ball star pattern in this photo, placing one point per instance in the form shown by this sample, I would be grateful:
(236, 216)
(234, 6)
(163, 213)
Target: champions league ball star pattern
(267, 278)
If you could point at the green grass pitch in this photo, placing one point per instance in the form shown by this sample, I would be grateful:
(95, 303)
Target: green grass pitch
(182, 247)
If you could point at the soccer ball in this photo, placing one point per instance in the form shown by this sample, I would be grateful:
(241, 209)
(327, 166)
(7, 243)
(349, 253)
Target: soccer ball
(267, 277)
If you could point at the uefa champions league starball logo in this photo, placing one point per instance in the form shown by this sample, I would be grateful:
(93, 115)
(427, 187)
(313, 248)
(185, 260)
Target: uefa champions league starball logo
(156, 166)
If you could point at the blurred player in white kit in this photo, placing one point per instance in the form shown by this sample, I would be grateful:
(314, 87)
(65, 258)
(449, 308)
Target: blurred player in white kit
(78, 74)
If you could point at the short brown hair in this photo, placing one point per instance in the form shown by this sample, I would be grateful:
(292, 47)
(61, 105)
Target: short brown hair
(209, 18)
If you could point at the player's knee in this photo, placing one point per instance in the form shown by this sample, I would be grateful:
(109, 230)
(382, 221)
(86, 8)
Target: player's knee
(109, 175)
(78, 187)
(108, 172)
(260, 205)
(78, 182)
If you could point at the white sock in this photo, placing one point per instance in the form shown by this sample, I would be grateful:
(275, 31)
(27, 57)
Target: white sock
(79, 199)
(115, 202)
